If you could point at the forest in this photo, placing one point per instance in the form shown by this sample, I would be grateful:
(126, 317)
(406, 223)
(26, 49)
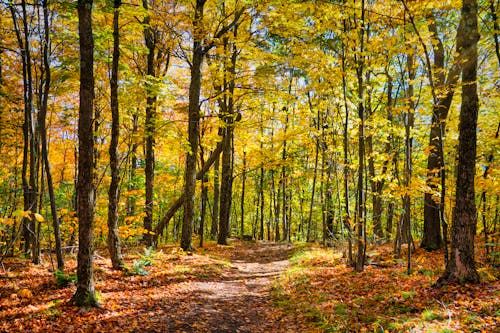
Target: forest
(249, 165)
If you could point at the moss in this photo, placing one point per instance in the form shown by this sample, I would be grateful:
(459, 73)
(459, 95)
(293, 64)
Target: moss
(86, 298)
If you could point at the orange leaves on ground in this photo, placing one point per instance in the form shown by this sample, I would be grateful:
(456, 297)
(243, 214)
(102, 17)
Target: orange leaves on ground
(199, 292)
(330, 296)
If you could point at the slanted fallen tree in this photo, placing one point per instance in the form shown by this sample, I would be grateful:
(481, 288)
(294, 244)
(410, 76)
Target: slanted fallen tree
(180, 200)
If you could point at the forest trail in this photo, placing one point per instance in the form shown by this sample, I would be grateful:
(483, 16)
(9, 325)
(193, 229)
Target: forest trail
(214, 289)
(238, 301)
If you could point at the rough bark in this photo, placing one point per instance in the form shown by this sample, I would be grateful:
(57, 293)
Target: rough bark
(150, 40)
(43, 134)
(229, 118)
(114, 192)
(85, 293)
(242, 202)
(226, 186)
(410, 119)
(215, 209)
(28, 162)
(461, 266)
(361, 199)
(193, 128)
(443, 89)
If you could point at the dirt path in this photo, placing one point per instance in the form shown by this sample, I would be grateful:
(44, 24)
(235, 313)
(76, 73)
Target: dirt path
(239, 301)
(216, 289)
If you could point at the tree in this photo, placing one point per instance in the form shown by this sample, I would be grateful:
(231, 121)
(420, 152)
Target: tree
(200, 50)
(43, 132)
(228, 115)
(193, 127)
(461, 266)
(113, 194)
(151, 97)
(30, 148)
(85, 295)
(442, 86)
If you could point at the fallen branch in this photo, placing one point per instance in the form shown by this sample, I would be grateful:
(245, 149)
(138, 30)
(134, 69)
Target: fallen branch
(180, 201)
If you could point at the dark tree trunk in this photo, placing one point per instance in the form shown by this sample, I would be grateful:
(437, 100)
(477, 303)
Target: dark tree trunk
(226, 185)
(461, 266)
(131, 200)
(361, 199)
(29, 171)
(215, 155)
(261, 201)
(242, 202)
(85, 293)
(228, 117)
(114, 191)
(215, 209)
(434, 205)
(43, 134)
(150, 40)
(204, 201)
(410, 119)
(193, 128)
(313, 192)
(284, 177)
(347, 215)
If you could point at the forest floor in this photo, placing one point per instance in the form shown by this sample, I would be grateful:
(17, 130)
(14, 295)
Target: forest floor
(215, 289)
(251, 287)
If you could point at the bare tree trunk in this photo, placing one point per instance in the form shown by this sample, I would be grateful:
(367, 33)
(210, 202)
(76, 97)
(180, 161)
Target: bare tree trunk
(204, 200)
(150, 40)
(114, 191)
(229, 118)
(242, 202)
(43, 134)
(85, 293)
(261, 201)
(131, 200)
(29, 170)
(410, 119)
(361, 199)
(461, 266)
(193, 127)
(215, 209)
(347, 214)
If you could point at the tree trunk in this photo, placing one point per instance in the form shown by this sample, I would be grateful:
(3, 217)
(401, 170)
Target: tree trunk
(410, 119)
(214, 156)
(228, 118)
(28, 164)
(150, 40)
(114, 191)
(215, 209)
(461, 266)
(193, 128)
(85, 293)
(203, 213)
(434, 205)
(361, 200)
(43, 134)
(226, 185)
(345, 143)
(131, 200)
(261, 201)
(242, 202)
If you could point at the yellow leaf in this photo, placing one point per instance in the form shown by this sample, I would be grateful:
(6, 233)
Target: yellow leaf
(39, 217)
